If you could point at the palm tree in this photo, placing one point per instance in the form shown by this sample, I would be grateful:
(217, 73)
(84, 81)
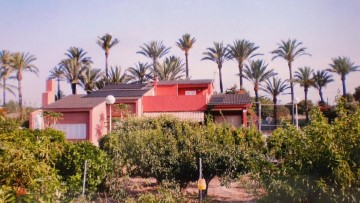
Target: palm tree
(106, 42)
(74, 65)
(171, 69)
(20, 63)
(290, 50)
(242, 50)
(185, 43)
(321, 79)
(343, 66)
(139, 73)
(79, 55)
(275, 87)
(256, 73)
(116, 76)
(217, 54)
(154, 50)
(5, 59)
(89, 79)
(73, 71)
(58, 74)
(303, 77)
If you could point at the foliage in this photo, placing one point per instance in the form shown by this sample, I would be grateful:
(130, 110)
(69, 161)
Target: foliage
(302, 108)
(319, 163)
(357, 94)
(168, 149)
(51, 117)
(8, 125)
(27, 158)
(242, 50)
(172, 68)
(218, 54)
(185, 43)
(71, 166)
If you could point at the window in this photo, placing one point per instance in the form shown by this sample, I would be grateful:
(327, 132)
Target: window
(72, 131)
(192, 92)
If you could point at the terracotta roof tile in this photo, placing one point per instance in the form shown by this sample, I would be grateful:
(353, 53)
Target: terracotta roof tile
(118, 93)
(229, 99)
(127, 86)
(75, 101)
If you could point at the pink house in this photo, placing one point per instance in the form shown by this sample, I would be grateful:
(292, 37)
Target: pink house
(85, 117)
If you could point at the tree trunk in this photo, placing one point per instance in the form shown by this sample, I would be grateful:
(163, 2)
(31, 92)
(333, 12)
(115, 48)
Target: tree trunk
(241, 75)
(275, 111)
(20, 97)
(187, 65)
(344, 86)
(155, 69)
(306, 105)
(321, 95)
(106, 64)
(220, 78)
(256, 89)
(58, 93)
(73, 88)
(4, 93)
(292, 93)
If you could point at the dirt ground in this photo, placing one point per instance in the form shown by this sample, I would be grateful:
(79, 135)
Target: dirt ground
(236, 192)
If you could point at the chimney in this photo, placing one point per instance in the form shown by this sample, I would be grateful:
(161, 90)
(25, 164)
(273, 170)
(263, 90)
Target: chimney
(48, 96)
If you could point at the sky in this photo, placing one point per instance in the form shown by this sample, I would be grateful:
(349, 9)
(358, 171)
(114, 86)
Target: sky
(46, 29)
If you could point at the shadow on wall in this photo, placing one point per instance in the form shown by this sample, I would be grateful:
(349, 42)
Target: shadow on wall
(100, 126)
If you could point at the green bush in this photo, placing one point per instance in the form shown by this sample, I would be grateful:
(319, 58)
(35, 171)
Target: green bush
(27, 160)
(169, 149)
(71, 167)
(319, 163)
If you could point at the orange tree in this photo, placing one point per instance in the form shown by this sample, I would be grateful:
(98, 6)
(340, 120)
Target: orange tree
(169, 149)
(319, 163)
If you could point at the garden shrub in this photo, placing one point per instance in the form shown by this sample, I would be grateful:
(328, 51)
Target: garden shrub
(71, 167)
(319, 163)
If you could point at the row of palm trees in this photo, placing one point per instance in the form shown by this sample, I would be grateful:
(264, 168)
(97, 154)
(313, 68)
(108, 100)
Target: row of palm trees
(76, 66)
(256, 70)
(12, 67)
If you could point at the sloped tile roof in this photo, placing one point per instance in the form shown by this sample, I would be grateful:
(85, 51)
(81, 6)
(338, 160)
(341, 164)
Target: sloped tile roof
(75, 101)
(185, 82)
(229, 99)
(118, 93)
(127, 86)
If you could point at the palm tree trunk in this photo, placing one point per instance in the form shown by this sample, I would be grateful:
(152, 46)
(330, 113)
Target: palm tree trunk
(321, 96)
(20, 95)
(106, 64)
(73, 88)
(306, 105)
(155, 69)
(275, 111)
(58, 93)
(292, 93)
(187, 65)
(4, 93)
(344, 85)
(220, 78)
(256, 89)
(241, 75)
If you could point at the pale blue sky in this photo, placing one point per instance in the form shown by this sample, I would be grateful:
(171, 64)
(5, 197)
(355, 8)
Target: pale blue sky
(328, 28)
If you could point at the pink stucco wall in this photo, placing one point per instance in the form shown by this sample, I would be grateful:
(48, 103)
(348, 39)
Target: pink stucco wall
(48, 96)
(97, 123)
(167, 90)
(174, 103)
